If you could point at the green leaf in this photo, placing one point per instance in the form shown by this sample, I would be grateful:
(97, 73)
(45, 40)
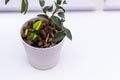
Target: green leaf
(26, 31)
(6, 1)
(62, 9)
(68, 33)
(42, 3)
(24, 6)
(48, 8)
(59, 2)
(64, 2)
(33, 36)
(37, 25)
(61, 14)
(58, 37)
(62, 20)
(56, 20)
(43, 16)
(57, 6)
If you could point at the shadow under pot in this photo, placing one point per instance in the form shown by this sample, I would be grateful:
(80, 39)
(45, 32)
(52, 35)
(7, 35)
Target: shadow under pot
(41, 58)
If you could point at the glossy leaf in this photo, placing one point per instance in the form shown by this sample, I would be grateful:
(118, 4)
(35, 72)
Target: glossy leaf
(57, 6)
(56, 20)
(62, 20)
(33, 36)
(68, 33)
(59, 2)
(64, 2)
(62, 9)
(48, 8)
(6, 1)
(24, 6)
(42, 3)
(61, 14)
(43, 16)
(58, 37)
(37, 25)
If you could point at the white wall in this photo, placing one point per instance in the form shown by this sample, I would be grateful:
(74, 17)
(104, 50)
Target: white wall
(112, 4)
(72, 5)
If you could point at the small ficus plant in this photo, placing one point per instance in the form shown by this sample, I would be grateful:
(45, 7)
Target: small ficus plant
(49, 31)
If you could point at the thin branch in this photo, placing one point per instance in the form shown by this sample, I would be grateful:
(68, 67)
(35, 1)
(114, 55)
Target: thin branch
(55, 11)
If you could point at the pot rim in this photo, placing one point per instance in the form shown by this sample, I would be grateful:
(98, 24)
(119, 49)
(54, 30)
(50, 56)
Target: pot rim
(38, 47)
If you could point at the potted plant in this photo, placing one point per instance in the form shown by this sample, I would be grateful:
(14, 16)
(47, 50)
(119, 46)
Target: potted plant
(43, 35)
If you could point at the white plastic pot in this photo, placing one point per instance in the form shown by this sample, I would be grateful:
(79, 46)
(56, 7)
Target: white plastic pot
(42, 58)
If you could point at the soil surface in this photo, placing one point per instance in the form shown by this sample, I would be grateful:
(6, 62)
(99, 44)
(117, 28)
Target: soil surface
(44, 35)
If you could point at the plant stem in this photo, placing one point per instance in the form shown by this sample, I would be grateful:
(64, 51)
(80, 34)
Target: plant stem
(55, 11)
(43, 11)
